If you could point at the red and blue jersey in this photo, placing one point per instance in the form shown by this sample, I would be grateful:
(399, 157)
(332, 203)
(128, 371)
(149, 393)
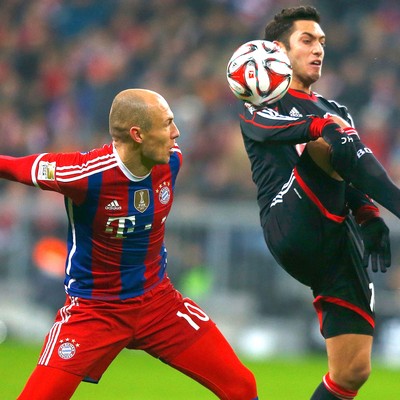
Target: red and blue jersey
(116, 221)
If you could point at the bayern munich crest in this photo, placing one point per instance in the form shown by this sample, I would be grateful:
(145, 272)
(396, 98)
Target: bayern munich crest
(67, 349)
(164, 192)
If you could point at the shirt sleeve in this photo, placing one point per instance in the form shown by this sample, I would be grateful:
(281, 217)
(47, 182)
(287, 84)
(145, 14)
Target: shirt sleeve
(45, 171)
(267, 125)
(18, 169)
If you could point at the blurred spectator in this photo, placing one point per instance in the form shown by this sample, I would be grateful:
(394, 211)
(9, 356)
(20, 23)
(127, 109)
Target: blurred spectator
(61, 63)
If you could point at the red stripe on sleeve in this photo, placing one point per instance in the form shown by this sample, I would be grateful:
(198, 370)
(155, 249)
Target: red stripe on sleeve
(365, 213)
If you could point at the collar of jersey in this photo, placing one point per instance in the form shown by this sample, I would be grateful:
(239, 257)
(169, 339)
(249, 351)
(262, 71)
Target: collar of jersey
(302, 95)
(126, 171)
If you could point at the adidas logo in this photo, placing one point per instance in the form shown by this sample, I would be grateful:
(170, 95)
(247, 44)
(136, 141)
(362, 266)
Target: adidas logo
(113, 206)
(294, 112)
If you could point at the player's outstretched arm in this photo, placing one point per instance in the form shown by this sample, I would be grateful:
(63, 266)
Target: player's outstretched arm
(17, 169)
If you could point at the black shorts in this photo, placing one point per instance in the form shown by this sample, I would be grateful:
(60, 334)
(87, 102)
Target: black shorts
(306, 233)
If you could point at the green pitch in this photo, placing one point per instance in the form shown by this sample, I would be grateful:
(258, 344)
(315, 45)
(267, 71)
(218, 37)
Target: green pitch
(135, 375)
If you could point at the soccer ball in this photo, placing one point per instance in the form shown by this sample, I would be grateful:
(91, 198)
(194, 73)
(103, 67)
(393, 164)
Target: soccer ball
(259, 72)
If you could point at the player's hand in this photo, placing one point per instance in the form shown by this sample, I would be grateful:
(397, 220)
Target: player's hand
(343, 151)
(376, 239)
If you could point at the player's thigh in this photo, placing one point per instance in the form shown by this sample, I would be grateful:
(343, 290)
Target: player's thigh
(302, 240)
(344, 298)
(169, 324)
(210, 356)
(304, 227)
(49, 384)
(177, 331)
(212, 362)
(86, 336)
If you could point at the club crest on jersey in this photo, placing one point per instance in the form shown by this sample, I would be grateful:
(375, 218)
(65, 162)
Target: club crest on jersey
(164, 192)
(67, 348)
(47, 171)
(141, 200)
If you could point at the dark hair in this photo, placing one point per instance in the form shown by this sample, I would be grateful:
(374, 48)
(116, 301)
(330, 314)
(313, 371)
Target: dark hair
(280, 28)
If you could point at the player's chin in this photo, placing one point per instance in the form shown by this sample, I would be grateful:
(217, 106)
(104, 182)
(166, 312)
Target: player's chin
(164, 159)
(314, 76)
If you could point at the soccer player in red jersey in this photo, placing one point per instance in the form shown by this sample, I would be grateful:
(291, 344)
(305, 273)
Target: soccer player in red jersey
(311, 168)
(117, 200)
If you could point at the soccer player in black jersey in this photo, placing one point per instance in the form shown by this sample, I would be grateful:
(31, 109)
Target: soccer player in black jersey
(315, 181)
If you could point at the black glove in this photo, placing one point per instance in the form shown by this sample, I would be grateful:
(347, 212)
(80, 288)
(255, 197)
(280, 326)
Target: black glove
(375, 234)
(343, 151)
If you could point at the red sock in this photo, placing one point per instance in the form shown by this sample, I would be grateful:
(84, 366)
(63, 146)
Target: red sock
(336, 390)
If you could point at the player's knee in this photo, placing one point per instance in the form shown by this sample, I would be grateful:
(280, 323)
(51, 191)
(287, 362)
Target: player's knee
(353, 376)
(358, 375)
(244, 387)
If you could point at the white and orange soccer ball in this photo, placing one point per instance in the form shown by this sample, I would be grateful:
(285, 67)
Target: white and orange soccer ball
(259, 72)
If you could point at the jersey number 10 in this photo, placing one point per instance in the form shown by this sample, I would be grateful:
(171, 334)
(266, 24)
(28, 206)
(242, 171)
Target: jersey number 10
(195, 311)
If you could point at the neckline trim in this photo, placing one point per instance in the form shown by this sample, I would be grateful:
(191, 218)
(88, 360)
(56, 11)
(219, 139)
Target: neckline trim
(302, 95)
(126, 171)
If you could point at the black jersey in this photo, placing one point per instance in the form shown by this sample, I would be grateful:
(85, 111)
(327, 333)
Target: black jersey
(274, 138)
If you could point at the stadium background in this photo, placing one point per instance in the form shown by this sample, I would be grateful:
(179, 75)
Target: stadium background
(61, 64)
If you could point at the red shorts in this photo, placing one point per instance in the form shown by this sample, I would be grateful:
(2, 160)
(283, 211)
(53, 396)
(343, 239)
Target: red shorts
(88, 334)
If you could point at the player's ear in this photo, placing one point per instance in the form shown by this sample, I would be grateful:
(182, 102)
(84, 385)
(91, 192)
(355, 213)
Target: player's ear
(280, 44)
(136, 134)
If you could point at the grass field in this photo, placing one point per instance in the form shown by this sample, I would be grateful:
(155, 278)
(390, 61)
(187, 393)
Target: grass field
(135, 375)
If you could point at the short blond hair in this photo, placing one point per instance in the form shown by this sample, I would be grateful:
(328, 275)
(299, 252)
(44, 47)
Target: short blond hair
(129, 108)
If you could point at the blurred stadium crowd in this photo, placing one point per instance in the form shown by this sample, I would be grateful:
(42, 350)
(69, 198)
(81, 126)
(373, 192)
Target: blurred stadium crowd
(62, 62)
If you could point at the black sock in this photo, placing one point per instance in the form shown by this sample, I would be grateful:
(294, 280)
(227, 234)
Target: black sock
(322, 393)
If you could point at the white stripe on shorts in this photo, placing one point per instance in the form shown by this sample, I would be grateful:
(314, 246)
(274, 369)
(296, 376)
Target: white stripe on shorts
(54, 332)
